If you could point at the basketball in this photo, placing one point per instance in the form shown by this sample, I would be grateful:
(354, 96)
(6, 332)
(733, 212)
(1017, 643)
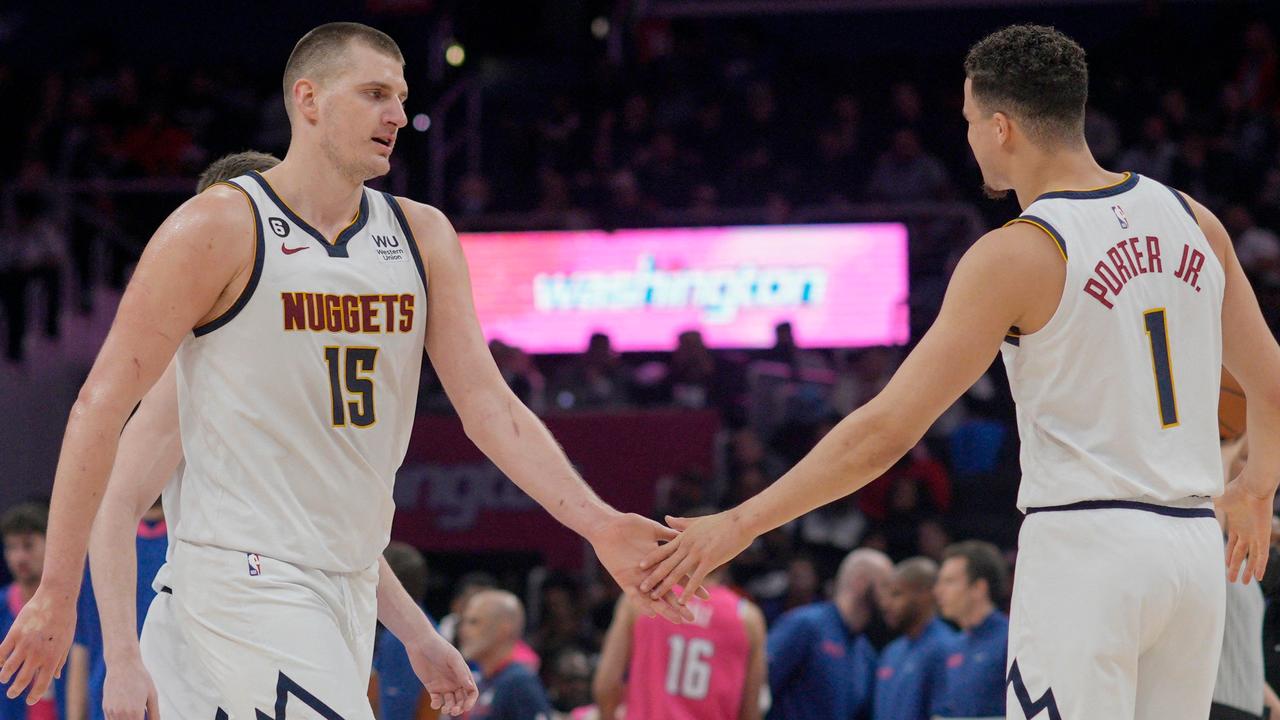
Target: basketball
(1231, 408)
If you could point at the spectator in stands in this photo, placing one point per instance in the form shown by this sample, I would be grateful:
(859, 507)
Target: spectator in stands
(23, 529)
(804, 587)
(909, 676)
(467, 585)
(821, 665)
(492, 624)
(906, 173)
(563, 624)
(595, 380)
(32, 251)
(1154, 155)
(693, 370)
(395, 687)
(972, 578)
(569, 684)
(915, 489)
(1257, 248)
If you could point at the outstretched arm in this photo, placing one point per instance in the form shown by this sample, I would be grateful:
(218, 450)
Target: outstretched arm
(507, 431)
(988, 292)
(182, 278)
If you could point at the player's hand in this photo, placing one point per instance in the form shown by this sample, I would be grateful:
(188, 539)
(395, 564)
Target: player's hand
(128, 693)
(703, 545)
(621, 544)
(36, 648)
(444, 674)
(1247, 515)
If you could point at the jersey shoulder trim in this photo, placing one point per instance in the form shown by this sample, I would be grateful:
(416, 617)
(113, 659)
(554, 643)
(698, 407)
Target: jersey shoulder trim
(259, 251)
(1183, 202)
(408, 232)
(1046, 227)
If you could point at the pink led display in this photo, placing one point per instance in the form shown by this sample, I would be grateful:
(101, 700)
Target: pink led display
(546, 292)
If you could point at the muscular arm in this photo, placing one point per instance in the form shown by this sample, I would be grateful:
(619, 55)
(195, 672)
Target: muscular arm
(1001, 279)
(756, 670)
(607, 687)
(493, 417)
(149, 452)
(183, 277)
(506, 431)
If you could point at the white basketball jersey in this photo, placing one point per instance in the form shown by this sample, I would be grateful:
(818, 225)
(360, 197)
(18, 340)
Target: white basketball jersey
(297, 404)
(1117, 395)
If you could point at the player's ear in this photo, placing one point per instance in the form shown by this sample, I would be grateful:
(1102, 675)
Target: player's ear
(1002, 126)
(305, 100)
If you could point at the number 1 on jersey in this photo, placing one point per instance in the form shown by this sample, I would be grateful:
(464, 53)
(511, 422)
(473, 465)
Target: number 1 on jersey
(1158, 333)
(350, 364)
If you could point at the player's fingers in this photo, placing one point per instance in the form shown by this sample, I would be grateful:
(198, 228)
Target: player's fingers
(668, 611)
(7, 645)
(679, 523)
(1235, 556)
(13, 662)
(659, 554)
(153, 705)
(446, 707)
(701, 592)
(62, 664)
(698, 577)
(436, 700)
(39, 684)
(22, 680)
(1258, 556)
(660, 571)
(675, 575)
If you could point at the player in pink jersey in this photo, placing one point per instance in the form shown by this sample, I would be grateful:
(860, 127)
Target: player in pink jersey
(709, 669)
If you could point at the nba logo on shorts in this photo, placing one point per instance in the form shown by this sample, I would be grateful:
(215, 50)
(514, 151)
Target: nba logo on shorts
(255, 564)
(1119, 211)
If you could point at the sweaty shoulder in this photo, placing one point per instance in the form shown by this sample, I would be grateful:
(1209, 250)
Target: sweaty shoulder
(219, 220)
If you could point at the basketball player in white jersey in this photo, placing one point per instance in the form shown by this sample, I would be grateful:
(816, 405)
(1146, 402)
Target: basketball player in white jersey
(296, 301)
(1115, 301)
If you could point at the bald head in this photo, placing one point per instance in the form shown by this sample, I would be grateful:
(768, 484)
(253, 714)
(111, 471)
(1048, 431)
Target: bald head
(491, 625)
(861, 567)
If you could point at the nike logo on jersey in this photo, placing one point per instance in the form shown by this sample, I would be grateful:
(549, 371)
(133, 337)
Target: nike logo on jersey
(290, 251)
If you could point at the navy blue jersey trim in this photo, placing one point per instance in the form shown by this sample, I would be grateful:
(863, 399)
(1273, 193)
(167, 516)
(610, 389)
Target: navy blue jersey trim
(259, 253)
(1121, 187)
(339, 246)
(1126, 505)
(408, 231)
(1183, 202)
(1031, 708)
(1044, 225)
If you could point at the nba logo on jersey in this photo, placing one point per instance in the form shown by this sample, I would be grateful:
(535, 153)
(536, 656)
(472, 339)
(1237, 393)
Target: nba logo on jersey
(1119, 211)
(255, 564)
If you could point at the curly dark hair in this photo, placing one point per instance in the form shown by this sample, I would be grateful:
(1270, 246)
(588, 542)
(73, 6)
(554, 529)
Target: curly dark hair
(1036, 75)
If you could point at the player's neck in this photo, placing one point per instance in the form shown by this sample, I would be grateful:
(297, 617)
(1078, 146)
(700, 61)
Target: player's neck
(1044, 172)
(316, 190)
